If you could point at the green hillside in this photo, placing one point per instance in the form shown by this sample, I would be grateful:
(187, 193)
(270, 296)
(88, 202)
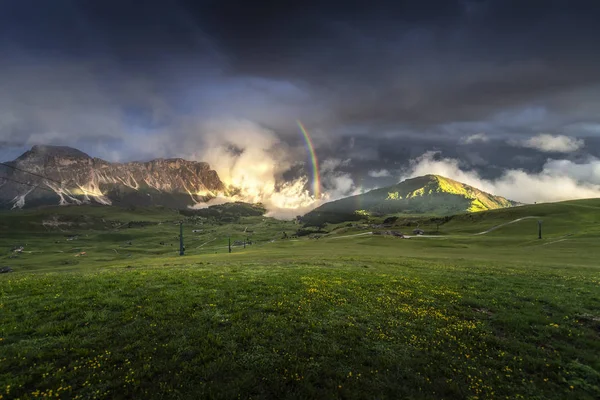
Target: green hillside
(567, 219)
(574, 217)
(429, 194)
(52, 237)
(455, 314)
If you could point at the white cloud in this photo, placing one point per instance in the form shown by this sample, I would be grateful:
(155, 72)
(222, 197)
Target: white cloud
(340, 184)
(331, 164)
(550, 143)
(253, 159)
(588, 172)
(382, 173)
(559, 179)
(478, 137)
(212, 202)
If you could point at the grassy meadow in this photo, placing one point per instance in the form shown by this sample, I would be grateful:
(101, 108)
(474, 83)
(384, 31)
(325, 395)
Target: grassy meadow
(501, 315)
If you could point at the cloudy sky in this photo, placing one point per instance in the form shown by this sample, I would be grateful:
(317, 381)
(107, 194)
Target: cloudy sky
(501, 94)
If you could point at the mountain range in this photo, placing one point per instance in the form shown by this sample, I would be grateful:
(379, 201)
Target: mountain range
(59, 175)
(64, 176)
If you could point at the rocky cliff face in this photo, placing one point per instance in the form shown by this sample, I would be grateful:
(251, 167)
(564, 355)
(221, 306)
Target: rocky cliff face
(69, 176)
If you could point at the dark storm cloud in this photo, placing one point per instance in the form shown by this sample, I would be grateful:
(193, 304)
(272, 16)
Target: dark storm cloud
(399, 78)
(416, 63)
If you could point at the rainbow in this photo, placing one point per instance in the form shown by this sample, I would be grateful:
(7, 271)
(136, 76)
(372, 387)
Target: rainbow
(313, 159)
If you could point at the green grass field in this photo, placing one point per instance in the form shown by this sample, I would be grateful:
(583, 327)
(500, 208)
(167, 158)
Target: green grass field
(499, 315)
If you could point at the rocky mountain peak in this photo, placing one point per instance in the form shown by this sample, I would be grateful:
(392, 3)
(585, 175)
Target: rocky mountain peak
(76, 178)
(46, 152)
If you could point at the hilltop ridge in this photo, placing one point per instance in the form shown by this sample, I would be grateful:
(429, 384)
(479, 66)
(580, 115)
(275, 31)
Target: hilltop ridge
(428, 194)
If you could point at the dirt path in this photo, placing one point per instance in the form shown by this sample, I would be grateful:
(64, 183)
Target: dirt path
(427, 236)
(358, 234)
(440, 236)
(501, 225)
(206, 243)
(561, 240)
